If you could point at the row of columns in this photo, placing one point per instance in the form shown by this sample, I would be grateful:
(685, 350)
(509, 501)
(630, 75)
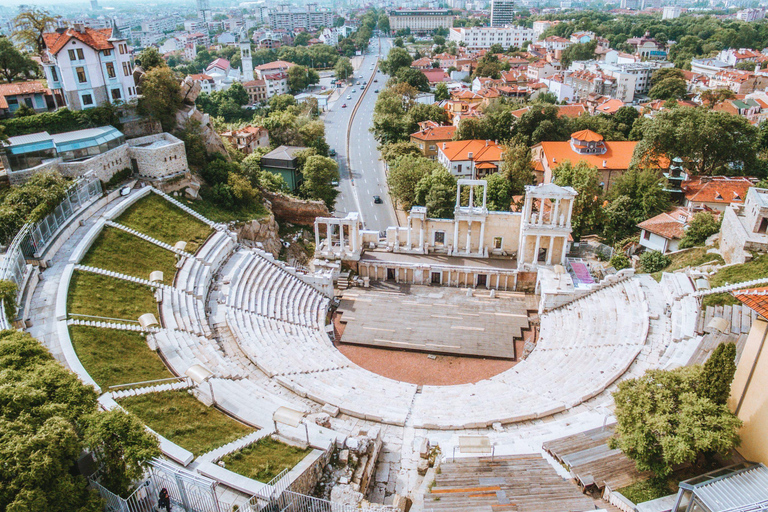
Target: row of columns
(468, 247)
(537, 246)
(372, 272)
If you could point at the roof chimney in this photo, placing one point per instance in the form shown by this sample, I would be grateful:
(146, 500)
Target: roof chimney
(443, 145)
(470, 155)
(80, 28)
(605, 164)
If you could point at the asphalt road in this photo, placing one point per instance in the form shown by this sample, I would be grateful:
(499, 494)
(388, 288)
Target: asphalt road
(362, 173)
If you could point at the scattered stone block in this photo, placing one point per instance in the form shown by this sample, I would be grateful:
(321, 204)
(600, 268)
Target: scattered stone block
(497, 427)
(421, 446)
(422, 466)
(344, 456)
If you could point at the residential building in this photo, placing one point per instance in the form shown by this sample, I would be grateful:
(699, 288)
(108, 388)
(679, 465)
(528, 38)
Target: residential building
(33, 94)
(750, 15)
(664, 231)
(740, 82)
(596, 82)
(556, 44)
(257, 91)
(540, 26)
(472, 159)
(611, 158)
(670, 12)
(582, 37)
(195, 26)
(732, 57)
(716, 192)
(248, 138)
(479, 38)
(642, 71)
(745, 228)
(88, 67)
(430, 136)
(285, 17)
(571, 111)
(283, 161)
(273, 67)
(159, 25)
(707, 67)
(542, 69)
(420, 21)
(647, 47)
(502, 12)
(207, 83)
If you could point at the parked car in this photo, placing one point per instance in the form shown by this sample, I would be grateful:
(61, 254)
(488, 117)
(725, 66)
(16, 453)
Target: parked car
(335, 183)
(377, 199)
(354, 91)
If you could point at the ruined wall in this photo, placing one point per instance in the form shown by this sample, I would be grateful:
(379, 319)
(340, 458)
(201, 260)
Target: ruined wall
(296, 211)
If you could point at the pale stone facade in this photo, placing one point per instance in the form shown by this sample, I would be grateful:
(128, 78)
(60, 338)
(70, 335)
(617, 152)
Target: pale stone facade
(745, 227)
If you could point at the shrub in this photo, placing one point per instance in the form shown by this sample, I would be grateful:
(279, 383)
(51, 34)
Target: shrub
(653, 261)
(8, 290)
(63, 120)
(118, 178)
(619, 261)
(31, 202)
(701, 227)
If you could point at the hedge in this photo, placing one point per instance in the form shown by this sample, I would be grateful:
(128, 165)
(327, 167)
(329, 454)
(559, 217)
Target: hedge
(63, 120)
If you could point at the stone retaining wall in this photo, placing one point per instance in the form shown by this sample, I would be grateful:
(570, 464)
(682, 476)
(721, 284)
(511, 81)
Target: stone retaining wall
(307, 473)
(158, 162)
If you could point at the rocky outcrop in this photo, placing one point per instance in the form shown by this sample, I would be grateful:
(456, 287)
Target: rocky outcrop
(263, 232)
(190, 90)
(296, 211)
(212, 140)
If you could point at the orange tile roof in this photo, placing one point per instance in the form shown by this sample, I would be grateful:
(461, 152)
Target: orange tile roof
(13, 89)
(670, 225)
(278, 64)
(435, 133)
(754, 298)
(610, 106)
(482, 150)
(717, 189)
(587, 136)
(618, 154)
(96, 39)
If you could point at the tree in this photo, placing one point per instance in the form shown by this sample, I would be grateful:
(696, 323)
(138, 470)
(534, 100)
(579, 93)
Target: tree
(390, 152)
(302, 39)
(441, 92)
(619, 261)
(413, 77)
(517, 168)
(702, 226)
(398, 43)
(488, 66)
(194, 145)
(663, 420)
(499, 193)
(712, 97)
(300, 77)
(319, 172)
(471, 128)
(635, 196)
(438, 193)
(653, 261)
(237, 94)
(669, 88)
(405, 173)
(282, 102)
(29, 27)
(709, 143)
(390, 120)
(580, 51)
(160, 96)
(717, 373)
(343, 68)
(438, 40)
(150, 58)
(122, 447)
(313, 136)
(587, 212)
(14, 63)
(30, 202)
(396, 59)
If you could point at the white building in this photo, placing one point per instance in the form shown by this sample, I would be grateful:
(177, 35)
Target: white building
(89, 67)
(195, 26)
(671, 12)
(420, 21)
(309, 19)
(641, 70)
(540, 26)
(502, 12)
(750, 15)
(484, 37)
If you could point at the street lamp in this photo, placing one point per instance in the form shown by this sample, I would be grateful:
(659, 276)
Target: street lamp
(200, 374)
(290, 417)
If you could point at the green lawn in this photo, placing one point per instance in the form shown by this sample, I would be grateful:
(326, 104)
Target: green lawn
(160, 219)
(690, 258)
(264, 459)
(216, 213)
(94, 294)
(648, 490)
(114, 357)
(122, 252)
(754, 269)
(181, 418)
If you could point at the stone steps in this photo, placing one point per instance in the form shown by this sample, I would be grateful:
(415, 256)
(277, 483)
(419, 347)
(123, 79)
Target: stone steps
(148, 238)
(135, 327)
(157, 388)
(219, 453)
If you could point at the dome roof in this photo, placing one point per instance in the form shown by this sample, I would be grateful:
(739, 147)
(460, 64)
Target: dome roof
(587, 136)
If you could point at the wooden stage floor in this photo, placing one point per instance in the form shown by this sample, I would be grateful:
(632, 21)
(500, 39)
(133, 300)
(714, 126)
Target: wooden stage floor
(435, 319)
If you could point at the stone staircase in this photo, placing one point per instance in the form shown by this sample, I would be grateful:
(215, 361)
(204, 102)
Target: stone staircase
(219, 453)
(111, 325)
(157, 388)
(343, 282)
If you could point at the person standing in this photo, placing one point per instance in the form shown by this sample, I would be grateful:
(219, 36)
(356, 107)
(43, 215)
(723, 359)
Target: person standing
(164, 501)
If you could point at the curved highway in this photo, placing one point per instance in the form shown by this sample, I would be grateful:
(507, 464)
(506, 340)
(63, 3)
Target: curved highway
(362, 173)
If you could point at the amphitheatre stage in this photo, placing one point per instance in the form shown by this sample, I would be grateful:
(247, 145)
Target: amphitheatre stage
(435, 319)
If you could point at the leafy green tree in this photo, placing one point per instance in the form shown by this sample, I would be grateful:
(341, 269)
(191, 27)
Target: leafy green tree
(302, 39)
(30, 25)
(499, 193)
(702, 226)
(13, 63)
(398, 43)
(319, 172)
(663, 420)
(343, 68)
(637, 195)
(150, 58)
(238, 94)
(390, 120)
(669, 88)
(488, 66)
(30, 202)
(300, 77)
(619, 261)
(194, 145)
(708, 143)
(653, 261)
(8, 291)
(274, 183)
(396, 59)
(712, 97)
(438, 193)
(405, 173)
(587, 211)
(313, 136)
(471, 128)
(282, 102)
(413, 77)
(580, 51)
(538, 124)
(390, 152)
(160, 96)
(517, 168)
(441, 92)
(625, 119)
(717, 373)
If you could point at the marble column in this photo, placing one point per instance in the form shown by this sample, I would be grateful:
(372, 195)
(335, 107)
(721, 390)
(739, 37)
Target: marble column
(469, 235)
(551, 248)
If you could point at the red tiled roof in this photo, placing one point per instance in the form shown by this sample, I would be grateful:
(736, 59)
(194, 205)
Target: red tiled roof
(17, 88)
(278, 64)
(436, 75)
(482, 150)
(587, 136)
(572, 111)
(754, 298)
(618, 154)
(610, 106)
(201, 77)
(717, 189)
(96, 39)
(219, 63)
(435, 133)
(670, 225)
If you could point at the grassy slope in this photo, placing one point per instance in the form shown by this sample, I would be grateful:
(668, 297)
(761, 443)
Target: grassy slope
(116, 357)
(691, 258)
(754, 269)
(217, 214)
(264, 459)
(180, 417)
(93, 294)
(158, 218)
(122, 252)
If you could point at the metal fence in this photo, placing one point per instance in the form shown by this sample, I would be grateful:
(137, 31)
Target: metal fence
(289, 501)
(187, 491)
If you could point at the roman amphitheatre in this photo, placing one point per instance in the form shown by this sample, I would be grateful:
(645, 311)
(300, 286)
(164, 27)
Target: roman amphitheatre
(143, 297)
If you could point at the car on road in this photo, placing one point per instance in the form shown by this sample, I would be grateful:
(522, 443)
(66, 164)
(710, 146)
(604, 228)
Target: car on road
(376, 91)
(332, 152)
(354, 91)
(344, 105)
(376, 80)
(335, 183)
(349, 97)
(377, 200)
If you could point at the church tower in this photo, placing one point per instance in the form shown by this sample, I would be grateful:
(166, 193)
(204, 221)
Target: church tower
(245, 57)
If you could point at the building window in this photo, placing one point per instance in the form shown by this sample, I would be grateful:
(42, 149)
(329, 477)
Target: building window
(497, 241)
(439, 237)
(81, 74)
(54, 75)
(87, 100)
(72, 55)
(107, 53)
(646, 235)
(126, 69)
(117, 95)
(110, 70)
(80, 55)
(28, 101)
